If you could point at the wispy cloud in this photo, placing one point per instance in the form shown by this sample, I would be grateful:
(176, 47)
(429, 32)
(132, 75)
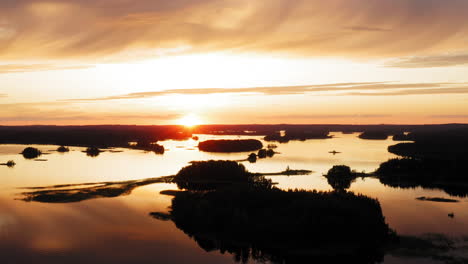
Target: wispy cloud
(289, 90)
(18, 68)
(37, 114)
(444, 60)
(448, 116)
(55, 28)
(457, 90)
(84, 117)
(364, 28)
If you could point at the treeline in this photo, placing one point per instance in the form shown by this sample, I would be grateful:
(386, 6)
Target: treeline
(209, 175)
(264, 130)
(98, 136)
(436, 159)
(301, 135)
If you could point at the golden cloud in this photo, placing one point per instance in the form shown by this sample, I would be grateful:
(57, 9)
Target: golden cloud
(107, 29)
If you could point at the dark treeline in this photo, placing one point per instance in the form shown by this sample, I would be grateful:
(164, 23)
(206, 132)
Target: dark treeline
(297, 134)
(149, 146)
(120, 135)
(407, 173)
(442, 143)
(208, 175)
(437, 158)
(374, 135)
(99, 136)
(264, 130)
(425, 173)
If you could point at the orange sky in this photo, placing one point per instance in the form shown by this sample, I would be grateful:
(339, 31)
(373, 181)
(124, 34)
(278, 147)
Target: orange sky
(233, 61)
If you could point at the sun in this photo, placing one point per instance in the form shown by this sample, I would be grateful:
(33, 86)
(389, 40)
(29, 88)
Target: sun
(190, 120)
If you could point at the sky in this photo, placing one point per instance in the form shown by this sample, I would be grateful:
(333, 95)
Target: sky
(150, 62)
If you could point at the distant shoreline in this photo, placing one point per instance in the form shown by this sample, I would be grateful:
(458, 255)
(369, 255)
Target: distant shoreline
(105, 136)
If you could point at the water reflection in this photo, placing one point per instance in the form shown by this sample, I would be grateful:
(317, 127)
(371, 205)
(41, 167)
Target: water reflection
(56, 194)
(451, 188)
(105, 231)
(118, 230)
(283, 226)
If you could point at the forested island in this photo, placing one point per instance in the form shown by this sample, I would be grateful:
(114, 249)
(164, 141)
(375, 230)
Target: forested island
(374, 135)
(227, 146)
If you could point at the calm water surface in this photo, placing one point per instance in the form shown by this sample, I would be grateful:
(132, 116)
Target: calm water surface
(120, 230)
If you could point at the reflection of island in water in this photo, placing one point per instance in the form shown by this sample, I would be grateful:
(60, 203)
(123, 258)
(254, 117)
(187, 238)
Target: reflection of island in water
(69, 193)
(283, 226)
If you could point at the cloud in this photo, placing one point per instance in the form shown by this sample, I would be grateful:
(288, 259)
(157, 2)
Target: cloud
(55, 112)
(51, 116)
(448, 116)
(104, 29)
(277, 90)
(444, 60)
(376, 29)
(458, 90)
(18, 68)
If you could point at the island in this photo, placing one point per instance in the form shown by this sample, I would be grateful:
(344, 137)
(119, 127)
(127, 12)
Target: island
(374, 135)
(230, 146)
(31, 153)
(9, 164)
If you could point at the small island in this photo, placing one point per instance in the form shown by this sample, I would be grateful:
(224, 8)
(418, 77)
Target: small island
(437, 199)
(149, 146)
(340, 177)
(9, 164)
(214, 174)
(230, 146)
(93, 151)
(63, 149)
(261, 154)
(31, 153)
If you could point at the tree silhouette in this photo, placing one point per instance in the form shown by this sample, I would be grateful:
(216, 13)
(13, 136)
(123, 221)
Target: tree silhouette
(31, 153)
(340, 177)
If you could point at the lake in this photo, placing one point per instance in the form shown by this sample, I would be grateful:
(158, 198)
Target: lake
(120, 230)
